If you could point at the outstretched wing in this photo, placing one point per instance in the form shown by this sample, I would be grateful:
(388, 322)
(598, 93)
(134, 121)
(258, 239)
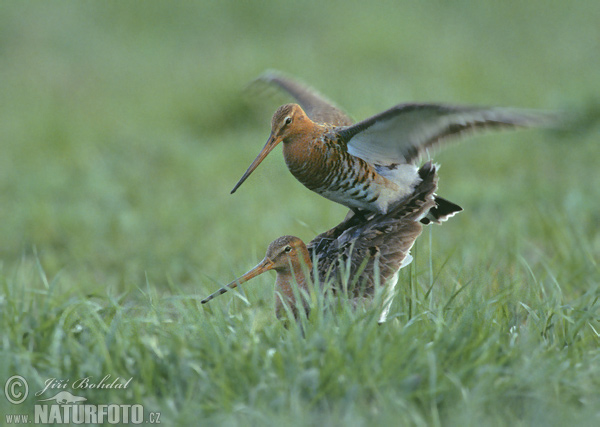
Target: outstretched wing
(315, 105)
(379, 245)
(403, 133)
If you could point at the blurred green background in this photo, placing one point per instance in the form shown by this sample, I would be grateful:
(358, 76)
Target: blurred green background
(124, 125)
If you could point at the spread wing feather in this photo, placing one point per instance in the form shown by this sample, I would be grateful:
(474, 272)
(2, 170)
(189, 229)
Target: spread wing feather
(403, 133)
(315, 105)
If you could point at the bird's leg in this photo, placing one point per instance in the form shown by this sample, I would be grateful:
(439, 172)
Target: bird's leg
(359, 215)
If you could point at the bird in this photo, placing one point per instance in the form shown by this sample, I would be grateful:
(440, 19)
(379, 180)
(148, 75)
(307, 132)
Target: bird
(372, 165)
(372, 251)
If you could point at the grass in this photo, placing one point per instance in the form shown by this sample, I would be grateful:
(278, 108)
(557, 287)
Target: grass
(123, 128)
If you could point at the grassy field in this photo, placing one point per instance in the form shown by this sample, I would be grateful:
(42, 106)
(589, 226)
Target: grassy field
(123, 127)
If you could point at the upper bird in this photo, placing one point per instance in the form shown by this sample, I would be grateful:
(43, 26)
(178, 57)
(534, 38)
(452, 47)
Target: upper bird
(370, 251)
(371, 165)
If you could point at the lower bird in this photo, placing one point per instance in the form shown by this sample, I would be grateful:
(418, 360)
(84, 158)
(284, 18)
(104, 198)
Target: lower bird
(372, 165)
(372, 250)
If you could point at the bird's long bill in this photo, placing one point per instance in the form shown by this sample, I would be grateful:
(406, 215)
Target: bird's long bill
(265, 265)
(271, 143)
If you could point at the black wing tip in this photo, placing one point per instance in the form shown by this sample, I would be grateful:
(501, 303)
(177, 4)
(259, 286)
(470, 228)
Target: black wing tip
(271, 73)
(427, 170)
(442, 211)
(268, 76)
(278, 77)
(263, 84)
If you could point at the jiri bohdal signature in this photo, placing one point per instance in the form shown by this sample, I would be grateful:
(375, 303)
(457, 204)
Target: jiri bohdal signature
(84, 383)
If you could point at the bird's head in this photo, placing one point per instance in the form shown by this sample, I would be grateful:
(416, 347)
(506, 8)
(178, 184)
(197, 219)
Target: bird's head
(285, 255)
(289, 120)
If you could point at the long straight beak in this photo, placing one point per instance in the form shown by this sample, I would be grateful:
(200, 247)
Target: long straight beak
(271, 143)
(265, 265)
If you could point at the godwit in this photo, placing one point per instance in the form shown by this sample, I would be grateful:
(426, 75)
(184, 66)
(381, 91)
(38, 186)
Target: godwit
(371, 165)
(374, 249)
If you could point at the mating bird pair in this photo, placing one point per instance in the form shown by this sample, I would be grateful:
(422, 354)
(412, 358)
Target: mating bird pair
(370, 167)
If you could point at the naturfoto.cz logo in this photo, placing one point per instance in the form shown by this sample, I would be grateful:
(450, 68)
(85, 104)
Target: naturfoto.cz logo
(60, 406)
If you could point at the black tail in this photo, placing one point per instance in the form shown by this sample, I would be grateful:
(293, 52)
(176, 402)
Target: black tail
(443, 210)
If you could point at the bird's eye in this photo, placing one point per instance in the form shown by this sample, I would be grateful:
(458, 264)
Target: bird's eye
(288, 120)
(287, 249)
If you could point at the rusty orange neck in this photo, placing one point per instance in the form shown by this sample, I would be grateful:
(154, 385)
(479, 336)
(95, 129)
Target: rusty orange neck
(307, 155)
(294, 274)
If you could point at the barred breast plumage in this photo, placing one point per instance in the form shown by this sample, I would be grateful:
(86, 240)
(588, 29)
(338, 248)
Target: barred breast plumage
(325, 167)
